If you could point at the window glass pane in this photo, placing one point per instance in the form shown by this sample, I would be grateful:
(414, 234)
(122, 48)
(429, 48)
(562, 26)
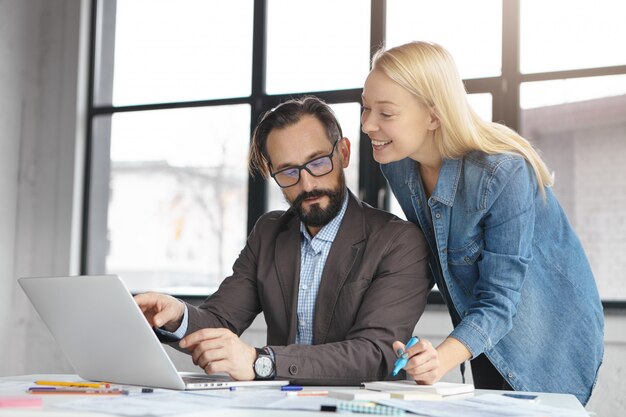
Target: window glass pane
(482, 104)
(348, 115)
(317, 45)
(582, 138)
(197, 50)
(178, 197)
(571, 90)
(470, 30)
(394, 206)
(560, 35)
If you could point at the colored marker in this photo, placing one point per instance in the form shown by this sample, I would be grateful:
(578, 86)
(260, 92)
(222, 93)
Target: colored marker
(401, 362)
(70, 391)
(291, 388)
(307, 393)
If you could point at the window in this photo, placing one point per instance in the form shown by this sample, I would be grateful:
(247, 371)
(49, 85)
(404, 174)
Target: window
(579, 124)
(589, 34)
(572, 96)
(478, 52)
(317, 45)
(177, 87)
(181, 51)
(173, 105)
(572, 101)
(178, 196)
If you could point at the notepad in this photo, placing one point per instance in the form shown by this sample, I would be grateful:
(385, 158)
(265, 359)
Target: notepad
(441, 388)
(415, 395)
(359, 394)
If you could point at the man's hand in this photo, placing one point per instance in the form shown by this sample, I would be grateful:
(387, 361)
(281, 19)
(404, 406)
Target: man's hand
(161, 310)
(220, 350)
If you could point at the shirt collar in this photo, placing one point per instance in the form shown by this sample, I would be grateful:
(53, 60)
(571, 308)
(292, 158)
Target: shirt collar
(447, 183)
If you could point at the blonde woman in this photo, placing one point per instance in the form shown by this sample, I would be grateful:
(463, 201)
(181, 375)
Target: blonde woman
(513, 273)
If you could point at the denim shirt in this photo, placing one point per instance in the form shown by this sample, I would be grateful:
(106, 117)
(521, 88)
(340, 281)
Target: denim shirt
(511, 269)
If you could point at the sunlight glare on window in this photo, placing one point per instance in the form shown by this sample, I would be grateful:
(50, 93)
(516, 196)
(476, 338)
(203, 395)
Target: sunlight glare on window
(559, 35)
(571, 90)
(178, 196)
(470, 30)
(182, 51)
(317, 46)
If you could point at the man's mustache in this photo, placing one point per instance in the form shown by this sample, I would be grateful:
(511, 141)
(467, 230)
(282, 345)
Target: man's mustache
(310, 194)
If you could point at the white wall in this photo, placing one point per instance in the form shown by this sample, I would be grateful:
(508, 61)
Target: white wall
(42, 102)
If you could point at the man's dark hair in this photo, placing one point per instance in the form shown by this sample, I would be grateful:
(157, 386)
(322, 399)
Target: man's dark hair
(284, 115)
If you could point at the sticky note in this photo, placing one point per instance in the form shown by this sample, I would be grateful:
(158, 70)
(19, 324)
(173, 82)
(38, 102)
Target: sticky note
(20, 401)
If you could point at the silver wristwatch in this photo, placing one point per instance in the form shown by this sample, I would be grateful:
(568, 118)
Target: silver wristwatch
(264, 364)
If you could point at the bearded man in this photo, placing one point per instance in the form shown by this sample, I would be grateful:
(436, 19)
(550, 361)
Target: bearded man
(337, 280)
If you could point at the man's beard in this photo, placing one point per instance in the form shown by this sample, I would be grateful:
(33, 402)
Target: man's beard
(317, 216)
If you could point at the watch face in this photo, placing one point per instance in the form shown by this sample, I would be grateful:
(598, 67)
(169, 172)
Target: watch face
(263, 366)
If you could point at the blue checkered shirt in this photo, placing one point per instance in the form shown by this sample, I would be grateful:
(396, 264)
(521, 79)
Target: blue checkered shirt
(313, 254)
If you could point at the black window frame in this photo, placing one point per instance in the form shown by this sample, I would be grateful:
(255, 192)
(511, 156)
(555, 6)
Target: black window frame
(505, 91)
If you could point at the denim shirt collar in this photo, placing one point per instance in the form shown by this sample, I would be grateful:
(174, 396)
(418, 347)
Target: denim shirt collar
(447, 183)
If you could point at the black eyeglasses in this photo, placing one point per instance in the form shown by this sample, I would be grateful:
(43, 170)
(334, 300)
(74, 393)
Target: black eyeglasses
(317, 167)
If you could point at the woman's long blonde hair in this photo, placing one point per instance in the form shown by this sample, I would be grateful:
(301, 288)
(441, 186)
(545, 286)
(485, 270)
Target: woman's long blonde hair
(428, 71)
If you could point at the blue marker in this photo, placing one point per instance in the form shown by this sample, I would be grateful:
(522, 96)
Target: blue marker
(291, 388)
(401, 362)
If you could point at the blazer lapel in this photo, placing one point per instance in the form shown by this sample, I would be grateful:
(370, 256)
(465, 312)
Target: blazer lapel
(287, 261)
(343, 254)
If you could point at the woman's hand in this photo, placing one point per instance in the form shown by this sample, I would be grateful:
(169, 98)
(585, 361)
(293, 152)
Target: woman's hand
(428, 365)
(424, 365)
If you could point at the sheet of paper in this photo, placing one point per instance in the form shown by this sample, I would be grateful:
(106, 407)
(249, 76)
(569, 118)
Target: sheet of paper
(489, 405)
(301, 403)
(277, 400)
(268, 399)
(253, 398)
(168, 403)
(154, 404)
(528, 406)
(11, 387)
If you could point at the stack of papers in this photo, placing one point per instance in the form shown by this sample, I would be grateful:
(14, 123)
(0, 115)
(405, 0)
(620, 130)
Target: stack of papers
(409, 390)
(358, 394)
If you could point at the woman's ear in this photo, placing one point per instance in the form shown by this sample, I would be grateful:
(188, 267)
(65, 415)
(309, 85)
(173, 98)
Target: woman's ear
(434, 121)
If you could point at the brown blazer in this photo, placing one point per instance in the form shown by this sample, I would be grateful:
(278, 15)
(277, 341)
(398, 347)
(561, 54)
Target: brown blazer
(373, 291)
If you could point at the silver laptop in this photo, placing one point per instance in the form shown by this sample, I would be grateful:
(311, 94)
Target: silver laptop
(105, 336)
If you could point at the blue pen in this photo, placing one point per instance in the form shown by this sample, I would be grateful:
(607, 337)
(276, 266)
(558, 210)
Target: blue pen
(401, 362)
(291, 388)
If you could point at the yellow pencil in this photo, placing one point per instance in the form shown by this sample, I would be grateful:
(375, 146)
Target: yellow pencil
(70, 384)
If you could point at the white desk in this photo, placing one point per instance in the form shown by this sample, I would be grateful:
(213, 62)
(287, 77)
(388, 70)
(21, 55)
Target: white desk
(557, 400)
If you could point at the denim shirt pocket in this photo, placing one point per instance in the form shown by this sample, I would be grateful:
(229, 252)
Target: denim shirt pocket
(462, 263)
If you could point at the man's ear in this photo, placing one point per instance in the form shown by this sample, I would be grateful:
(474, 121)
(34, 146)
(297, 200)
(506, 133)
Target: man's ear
(344, 151)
